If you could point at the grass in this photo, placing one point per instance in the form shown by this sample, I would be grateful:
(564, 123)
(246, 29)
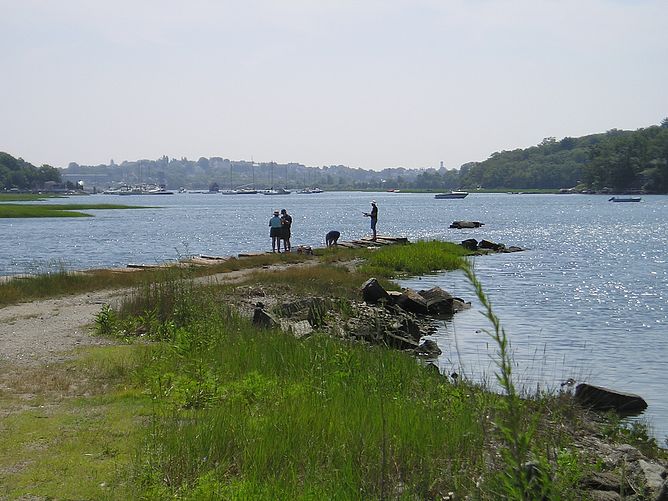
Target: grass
(215, 408)
(63, 282)
(73, 428)
(55, 210)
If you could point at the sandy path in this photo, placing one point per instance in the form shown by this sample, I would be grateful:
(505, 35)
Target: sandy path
(45, 331)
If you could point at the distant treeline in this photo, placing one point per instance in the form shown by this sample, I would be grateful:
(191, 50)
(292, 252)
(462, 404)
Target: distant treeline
(18, 174)
(618, 161)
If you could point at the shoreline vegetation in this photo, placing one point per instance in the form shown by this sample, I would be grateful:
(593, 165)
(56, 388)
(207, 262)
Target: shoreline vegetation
(195, 401)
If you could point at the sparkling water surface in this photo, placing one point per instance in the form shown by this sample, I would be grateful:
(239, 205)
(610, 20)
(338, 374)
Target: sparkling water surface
(587, 299)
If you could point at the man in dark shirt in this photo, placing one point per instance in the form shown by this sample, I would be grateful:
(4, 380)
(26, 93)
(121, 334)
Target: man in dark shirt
(374, 218)
(286, 224)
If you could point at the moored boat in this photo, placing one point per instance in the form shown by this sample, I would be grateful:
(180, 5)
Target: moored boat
(625, 199)
(452, 194)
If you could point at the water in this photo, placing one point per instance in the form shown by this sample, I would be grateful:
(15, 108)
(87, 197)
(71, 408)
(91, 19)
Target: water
(587, 300)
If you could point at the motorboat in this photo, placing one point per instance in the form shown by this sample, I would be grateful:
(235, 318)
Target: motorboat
(452, 194)
(277, 191)
(625, 199)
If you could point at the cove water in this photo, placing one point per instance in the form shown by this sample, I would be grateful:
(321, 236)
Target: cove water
(587, 299)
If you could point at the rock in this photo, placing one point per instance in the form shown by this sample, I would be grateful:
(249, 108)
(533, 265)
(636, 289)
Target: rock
(470, 244)
(413, 302)
(466, 224)
(428, 348)
(440, 302)
(603, 496)
(513, 248)
(373, 292)
(301, 329)
(398, 341)
(262, 318)
(663, 492)
(486, 244)
(604, 399)
(652, 473)
(602, 481)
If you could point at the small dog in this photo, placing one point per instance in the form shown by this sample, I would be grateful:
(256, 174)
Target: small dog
(305, 249)
(332, 238)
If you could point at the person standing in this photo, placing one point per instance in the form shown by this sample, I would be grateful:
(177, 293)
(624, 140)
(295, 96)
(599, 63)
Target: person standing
(374, 218)
(275, 232)
(286, 224)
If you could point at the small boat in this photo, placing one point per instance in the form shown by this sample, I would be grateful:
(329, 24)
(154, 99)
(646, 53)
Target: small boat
(625, 199)
(279, 191)
(452, 194)
(310, 191)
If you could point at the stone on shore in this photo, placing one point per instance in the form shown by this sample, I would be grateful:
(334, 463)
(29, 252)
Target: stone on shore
(605, 399)
(373, 292)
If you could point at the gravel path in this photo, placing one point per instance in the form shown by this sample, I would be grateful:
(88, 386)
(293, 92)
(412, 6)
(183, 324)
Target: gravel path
(43, 332)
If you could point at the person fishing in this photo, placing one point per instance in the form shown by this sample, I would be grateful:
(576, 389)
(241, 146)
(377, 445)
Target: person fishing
(374, 218)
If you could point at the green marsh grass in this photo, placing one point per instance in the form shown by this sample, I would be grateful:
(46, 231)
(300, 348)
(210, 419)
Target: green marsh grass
(248, 413)
(56, 210)
(419, 258)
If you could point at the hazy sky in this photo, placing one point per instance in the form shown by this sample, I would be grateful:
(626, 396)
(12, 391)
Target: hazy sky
(366, 83)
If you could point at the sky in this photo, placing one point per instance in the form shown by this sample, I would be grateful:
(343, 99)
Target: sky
(367, 83)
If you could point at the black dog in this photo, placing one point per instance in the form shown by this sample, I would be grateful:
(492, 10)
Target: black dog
(332, 238)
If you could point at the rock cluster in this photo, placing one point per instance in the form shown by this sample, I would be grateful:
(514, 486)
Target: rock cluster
(487, 246)
(397, 319)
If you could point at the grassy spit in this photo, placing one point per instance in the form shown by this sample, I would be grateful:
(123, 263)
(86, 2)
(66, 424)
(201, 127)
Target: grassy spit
(55, 210)
(214, 408)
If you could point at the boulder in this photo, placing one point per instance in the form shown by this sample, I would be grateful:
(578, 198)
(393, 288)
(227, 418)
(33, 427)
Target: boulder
(466, 224)
(604, 399)
(263, 318)
(441, 302)
(413, 302)
(470, 244)
(373, 292)
(486, 244)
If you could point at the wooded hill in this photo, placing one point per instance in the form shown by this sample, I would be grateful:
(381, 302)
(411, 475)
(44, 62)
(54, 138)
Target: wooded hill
(617, 160)
(19, 174)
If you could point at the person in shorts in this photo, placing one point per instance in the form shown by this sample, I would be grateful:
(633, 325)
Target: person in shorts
(275, 232)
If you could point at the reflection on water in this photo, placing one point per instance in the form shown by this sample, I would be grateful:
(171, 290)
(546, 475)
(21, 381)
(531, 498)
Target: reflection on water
(587, 300)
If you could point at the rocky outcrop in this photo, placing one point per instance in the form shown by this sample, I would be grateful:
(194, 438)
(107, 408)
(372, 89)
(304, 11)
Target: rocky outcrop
(487, 246)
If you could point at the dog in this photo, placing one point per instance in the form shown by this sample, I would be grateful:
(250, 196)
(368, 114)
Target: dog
(332, 238)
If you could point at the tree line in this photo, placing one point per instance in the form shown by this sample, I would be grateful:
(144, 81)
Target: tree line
(16, 173)
(614, 161)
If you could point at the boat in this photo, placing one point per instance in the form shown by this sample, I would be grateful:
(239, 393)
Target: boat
(142, 189)
(278, 191)
(625, 199)
(310, 191)
(452, 194)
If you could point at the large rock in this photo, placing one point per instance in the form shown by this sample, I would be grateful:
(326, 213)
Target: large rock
(486, 244)
(470, 244)
(412, 301)
(605, 399)
(262, 318)
(466, 224)
(441, 302)
(373, 292)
